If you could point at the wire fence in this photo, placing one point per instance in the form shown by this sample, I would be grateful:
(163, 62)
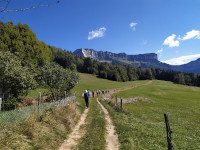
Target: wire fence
(20, 114)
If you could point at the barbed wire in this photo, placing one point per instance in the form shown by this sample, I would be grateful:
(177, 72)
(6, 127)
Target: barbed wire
(4, 9)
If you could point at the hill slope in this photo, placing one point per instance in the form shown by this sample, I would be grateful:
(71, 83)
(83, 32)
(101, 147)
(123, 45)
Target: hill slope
(193, 66)
(141, 125)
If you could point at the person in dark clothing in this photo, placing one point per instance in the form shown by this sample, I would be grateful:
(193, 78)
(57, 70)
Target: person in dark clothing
(102, 92)
(86, 96)
(93, 93)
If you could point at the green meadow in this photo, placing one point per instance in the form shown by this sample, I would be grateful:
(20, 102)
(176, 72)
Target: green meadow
(141, 125)
(89, 81)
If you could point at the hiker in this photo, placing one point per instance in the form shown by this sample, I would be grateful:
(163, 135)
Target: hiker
(97, 93)
(93, 93)
(102, 92)
(86, 96)
(88, 92)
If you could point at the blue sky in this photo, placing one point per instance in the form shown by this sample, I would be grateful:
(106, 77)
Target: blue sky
(170, 28)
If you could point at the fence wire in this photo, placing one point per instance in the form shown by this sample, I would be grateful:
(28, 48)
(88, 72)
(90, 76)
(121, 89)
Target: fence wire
(18, 115)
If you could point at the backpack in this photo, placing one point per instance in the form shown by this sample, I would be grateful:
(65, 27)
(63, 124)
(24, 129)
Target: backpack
(86, 95)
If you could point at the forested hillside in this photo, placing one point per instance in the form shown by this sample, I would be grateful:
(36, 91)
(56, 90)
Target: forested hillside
(120, 72)
(22, 42)
(26, 63)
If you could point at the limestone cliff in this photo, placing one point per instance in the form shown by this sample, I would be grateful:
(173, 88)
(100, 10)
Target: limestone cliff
(108, 56)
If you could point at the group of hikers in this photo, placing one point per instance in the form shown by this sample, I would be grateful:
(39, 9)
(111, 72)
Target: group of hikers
(98, 93)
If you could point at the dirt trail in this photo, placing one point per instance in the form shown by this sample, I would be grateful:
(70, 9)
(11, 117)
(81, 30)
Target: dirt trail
(112, 142)
(76, 134)
(109, 96)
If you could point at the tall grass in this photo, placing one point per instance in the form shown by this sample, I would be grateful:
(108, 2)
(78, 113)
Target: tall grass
(16, 116)
(42, 131)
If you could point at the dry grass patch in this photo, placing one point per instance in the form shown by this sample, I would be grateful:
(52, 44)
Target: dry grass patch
(134, 100)
(46, 131)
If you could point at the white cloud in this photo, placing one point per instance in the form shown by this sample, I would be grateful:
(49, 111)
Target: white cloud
(132, 25)
(171, 42)
(182, 60)
(160, 51)
(191, 34)
(97, 33)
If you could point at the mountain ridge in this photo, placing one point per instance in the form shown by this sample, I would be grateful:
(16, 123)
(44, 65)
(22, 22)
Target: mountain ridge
(101, 55)
(148, 60)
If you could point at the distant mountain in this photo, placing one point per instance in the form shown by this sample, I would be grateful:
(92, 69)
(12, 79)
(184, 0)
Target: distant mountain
(193, 66)
(108, 56)
(149, 60)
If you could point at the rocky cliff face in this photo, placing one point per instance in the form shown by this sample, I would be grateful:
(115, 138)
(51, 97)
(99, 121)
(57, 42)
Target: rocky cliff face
(108, 56)
(149, 60)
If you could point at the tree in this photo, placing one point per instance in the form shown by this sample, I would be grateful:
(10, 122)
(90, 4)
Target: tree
(22, 42)
(57, 79)
(179, 78)
(103, 74)
(14, 78)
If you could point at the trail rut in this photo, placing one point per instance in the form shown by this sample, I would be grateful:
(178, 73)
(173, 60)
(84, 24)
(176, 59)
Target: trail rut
(76, 134)
(112, 142)
(109, 96)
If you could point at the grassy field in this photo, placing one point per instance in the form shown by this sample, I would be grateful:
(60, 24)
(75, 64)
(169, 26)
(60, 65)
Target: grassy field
(88, 81)
(141, 125)
(34, 93)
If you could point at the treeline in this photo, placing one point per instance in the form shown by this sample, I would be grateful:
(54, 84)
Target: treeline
(119, 72)
(27, 63)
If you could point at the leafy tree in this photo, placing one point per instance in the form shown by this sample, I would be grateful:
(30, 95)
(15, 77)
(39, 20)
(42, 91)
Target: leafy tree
(57, 79)
(14, 78)
(188, 80)
(103, 74)
(179, 78)
(22, 42)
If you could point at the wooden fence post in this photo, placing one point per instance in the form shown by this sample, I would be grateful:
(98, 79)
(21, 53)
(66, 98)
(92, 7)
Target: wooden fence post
(169, 132)
(121, 104)
(0, 103)
(39, 99)
(116, 101)
(65, 94)
(74, 100)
